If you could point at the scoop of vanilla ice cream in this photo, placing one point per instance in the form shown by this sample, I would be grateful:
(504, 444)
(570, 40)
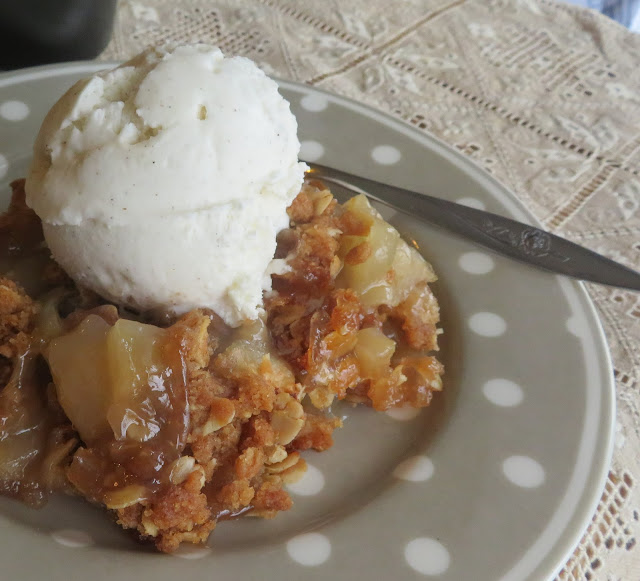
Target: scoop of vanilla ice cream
(164, 182)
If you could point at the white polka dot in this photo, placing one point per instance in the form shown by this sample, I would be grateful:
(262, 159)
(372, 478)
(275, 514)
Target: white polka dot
(189, 551)
(311, 150)
(4, 166)
(414, 469)
(310, 549)
(523, 471)
(72, 538)
(14, 110)
(476, 263)
(487, 324)
(311, 483)
(472, 203)
(386, 154)
(503, 392)
(314, 102)
(403, 413)
(427, 556)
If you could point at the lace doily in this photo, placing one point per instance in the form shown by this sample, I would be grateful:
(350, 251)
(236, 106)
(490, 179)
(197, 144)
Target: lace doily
(544, 96)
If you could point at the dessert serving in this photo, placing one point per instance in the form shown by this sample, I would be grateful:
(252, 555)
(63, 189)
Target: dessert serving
(179, 309)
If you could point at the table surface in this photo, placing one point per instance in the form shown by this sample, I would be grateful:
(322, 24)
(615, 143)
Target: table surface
(544, 96)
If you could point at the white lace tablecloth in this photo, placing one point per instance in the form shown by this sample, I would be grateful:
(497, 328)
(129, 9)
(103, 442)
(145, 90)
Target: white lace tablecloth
(544, 96)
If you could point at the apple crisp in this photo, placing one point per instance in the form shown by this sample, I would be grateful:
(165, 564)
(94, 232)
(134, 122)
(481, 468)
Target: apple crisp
(174, 425)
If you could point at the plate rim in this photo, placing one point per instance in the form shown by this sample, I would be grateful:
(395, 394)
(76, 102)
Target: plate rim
(591, 494)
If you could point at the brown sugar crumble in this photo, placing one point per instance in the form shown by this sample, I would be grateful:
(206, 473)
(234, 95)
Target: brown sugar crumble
(176, 425)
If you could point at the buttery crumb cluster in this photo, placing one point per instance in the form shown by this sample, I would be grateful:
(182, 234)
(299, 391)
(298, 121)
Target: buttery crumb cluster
(175, 425)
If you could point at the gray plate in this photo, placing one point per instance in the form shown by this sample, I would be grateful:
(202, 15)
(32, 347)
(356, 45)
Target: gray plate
(496, 481)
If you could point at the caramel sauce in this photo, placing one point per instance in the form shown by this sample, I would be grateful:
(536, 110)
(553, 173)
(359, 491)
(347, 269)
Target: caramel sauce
(26, 433)
(139, 457)
(23, 254)
(30, 430)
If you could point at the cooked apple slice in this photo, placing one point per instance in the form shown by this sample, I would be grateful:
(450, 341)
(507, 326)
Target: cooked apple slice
(109, 379)
(135, 367)
(80, 371)
(374, 351)
(392, 267)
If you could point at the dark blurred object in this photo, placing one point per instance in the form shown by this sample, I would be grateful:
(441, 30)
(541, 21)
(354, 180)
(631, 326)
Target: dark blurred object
(35, 32)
